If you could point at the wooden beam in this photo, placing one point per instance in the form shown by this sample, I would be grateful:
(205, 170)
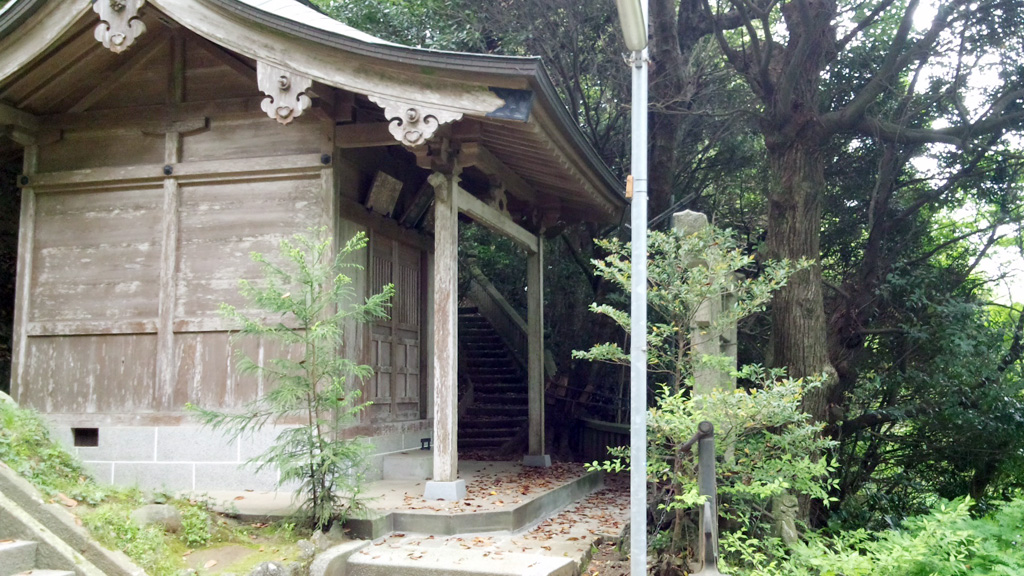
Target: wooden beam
(111, 80)
(91, 327)
(146, 116)
(357, 213)
(34, 137)
(364, 135)
(240, 168)
(417, 207)
(474, 154)
(490, 217)
(38, 34)
(10, 115)
(226, 58)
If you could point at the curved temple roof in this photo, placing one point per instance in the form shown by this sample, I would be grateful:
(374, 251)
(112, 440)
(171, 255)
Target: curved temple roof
(517, 115)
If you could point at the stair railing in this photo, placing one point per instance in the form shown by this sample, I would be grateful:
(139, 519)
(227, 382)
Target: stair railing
(493, 306)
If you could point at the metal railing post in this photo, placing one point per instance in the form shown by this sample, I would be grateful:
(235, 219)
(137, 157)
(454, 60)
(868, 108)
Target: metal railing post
(707, 487)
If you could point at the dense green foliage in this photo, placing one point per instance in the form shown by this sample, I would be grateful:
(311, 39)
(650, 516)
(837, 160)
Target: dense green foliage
(768, 446)
(305, 301)
(946, 541)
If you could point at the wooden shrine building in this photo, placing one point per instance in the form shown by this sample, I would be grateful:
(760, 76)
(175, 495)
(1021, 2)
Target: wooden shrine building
(158, 143)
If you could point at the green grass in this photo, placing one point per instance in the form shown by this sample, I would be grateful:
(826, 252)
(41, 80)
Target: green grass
(27, 448)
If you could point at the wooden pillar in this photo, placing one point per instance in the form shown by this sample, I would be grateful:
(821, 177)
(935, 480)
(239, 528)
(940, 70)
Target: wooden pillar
(23, 285)
(445, 484)
(166, 363)
(535, 364)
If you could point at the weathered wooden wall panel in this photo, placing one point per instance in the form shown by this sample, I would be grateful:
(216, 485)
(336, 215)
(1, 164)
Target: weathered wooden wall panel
(145, 84)
(80, 149)
(223, 223)
(253, 136)
(213, 74)
(96, 255)
(208, 372)
(90, 374)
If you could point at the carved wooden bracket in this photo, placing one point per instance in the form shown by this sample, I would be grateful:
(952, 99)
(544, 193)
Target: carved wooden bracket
(119, 23)
(496, 197)
(286, 92)
(412, 125)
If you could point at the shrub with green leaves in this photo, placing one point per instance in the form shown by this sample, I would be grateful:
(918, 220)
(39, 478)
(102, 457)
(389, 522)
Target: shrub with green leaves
(945, 542)
(767, 446)
(306, 299)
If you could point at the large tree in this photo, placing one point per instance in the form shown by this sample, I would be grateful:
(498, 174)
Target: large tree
(951, 87)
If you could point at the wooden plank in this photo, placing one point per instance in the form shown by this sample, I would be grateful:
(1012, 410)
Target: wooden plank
(358, 214)
(384, 193)
(230, 61)
(166, 365)
(158, 113)
(34, 81)
(445, 337)
(223, 222)
(23, 282)
(12, 116)
(101, 149)
(419, 205)
(91, 249)
(91, 374)
(34, 37)
(112, 79)
(253, 137)
(91, 327)
(253, 166)
(209, 170)
(363, 135)
(495, 220)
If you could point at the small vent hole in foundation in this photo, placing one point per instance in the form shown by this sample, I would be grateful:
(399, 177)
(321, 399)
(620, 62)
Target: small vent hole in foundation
(86, 436)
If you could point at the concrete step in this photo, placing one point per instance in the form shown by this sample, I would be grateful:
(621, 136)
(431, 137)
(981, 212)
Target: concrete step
(511, 399)
(16, 556)
(494, 353)
(412, 560)
(497, 410)
(495, 432)
(45, 573)
(503, 372)
(469, 422)
(494, 386)
(481, 443)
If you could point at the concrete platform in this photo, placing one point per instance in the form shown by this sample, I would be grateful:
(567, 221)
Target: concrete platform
(515, 520)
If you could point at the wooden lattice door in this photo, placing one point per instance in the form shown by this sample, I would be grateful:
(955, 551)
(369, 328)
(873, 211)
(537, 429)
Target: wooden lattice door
(395, 343)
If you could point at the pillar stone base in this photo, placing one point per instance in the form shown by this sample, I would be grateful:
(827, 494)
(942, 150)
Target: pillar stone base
(453, 491)
(537, 460)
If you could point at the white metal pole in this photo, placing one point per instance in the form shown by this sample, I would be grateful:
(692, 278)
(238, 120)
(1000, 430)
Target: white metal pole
(638, 314)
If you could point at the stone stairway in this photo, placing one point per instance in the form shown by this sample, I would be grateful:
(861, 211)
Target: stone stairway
(499, 409)
(19, 558)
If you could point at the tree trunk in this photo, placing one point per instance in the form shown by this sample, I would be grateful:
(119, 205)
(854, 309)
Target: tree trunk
(794, 232)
